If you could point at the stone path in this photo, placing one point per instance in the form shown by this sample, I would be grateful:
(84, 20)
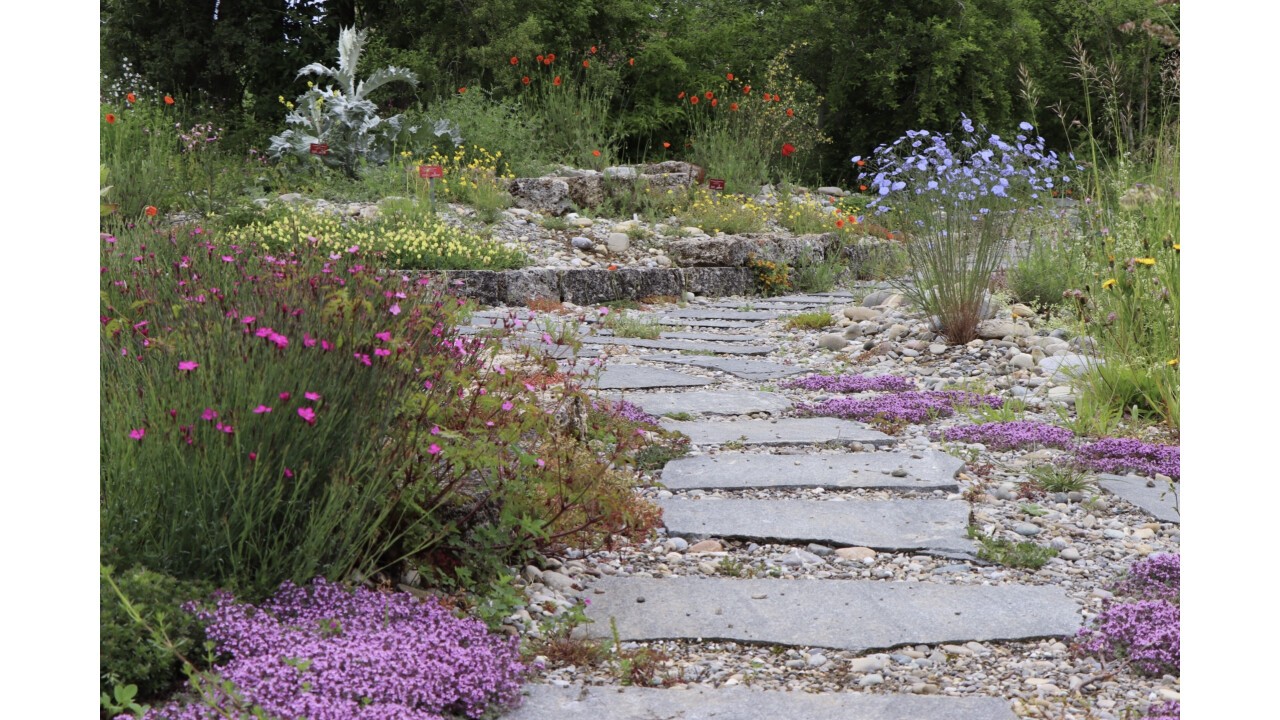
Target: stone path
(822, 486)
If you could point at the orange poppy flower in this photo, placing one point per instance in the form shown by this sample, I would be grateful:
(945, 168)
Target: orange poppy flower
(586, 63)
(863, 188)
(556, 82)
(131, 97)
(791, 113)
(714, 101)
(861, 163)
(525, 79)
(710, 94)
(593, 49)
(680, 96)
(733, 107)
(612, 267)
(150, 210)
(729, 77)
(693, 99)
(631, 62)
(596, 153)
(666, 144)
(839, 224)
(746, 89)
(168, 100)
(515, 60)
(111, 118)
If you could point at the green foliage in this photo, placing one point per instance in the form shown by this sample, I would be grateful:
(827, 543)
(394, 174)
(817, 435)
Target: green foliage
(731, 214)
(128, 657)
(772, 278)
(1061, 478)
(501, 125)
(816, 320)
(626, 326)
(343, 118)
(1049, 263)
(139, 153)
(1012, 410)
(1012, 554)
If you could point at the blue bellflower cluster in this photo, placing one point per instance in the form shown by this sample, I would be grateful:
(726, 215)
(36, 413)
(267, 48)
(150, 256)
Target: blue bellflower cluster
(924, 163)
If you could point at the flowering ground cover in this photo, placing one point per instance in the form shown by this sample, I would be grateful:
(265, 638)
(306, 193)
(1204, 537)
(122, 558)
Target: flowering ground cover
(1141, 631)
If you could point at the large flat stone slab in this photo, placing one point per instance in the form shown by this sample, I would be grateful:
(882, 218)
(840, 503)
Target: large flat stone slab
(1160, 500)
(638, 377)
(920, 470)
(710, 402)
(718, 314)
(682, 345)
(746, 369)
(719, 324)
(544, 702)
(857, 615)
(714, 337)
(932, 526)
(787, 431)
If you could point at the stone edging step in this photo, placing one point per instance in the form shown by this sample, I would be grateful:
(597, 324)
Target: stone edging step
(544, 702)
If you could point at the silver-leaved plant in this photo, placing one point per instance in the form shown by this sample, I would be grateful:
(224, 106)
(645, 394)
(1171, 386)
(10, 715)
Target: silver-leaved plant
(338, 123)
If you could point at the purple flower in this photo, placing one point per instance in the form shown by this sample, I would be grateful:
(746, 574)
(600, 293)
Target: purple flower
(1117, 455)
(1009, 435)
(1157, 577)
(326, 653)
(853, 383)
(1169, 710)
(1145, 633)
(912, 407)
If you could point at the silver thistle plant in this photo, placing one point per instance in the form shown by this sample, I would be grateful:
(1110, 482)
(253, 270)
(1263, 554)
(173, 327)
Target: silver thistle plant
(340, 115)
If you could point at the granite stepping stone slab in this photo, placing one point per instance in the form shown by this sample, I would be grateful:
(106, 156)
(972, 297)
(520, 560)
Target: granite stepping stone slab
(718, 324)
(931, 526)
(787, 431)
(545, 702)
(713, 337)
(717, 314)
(710, 402)
(746, 369)
(922, 470)
(639, 377)
(685, 345)
(1159, 500)
(856, 615)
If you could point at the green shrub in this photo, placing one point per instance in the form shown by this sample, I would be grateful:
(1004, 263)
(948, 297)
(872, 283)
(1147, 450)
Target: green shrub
(810, 321)
(128, 656)
(1047, 266)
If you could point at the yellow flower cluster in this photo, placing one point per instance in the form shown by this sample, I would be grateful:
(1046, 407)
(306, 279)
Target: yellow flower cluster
(427, 245)
(732, 214)
(471, 176)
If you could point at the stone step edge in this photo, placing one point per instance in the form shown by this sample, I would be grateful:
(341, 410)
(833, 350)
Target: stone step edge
(587, 286)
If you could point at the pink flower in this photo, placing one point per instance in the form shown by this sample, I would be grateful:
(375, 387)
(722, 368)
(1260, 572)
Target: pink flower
(307, 414)
(383, 336)
(507, 405)
(138, 434)
(426, 385)
(228, 258)
(546, 339)
(604, 311)
(394, 309)
(530, 388)
(261, 409)
(264, 332)
(253, 457)
(308, 341)
(288, 473)
(280, 340)
(326, 345)
(489, 424)
(188, 365)
(363, 358)
(224, 428)
(353, 249)
(284, 396)
(434, 449)
(248, 319)
(435, 430)
(335, 256)
(542, 463)
(381, 352)
(209, 414)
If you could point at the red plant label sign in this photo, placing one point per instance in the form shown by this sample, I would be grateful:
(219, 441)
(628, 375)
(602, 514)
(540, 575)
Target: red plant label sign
(319, 149)
(430, 171)
(715, 183)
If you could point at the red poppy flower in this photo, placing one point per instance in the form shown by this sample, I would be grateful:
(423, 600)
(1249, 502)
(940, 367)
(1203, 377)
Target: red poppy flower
(631, 62)
(863, 188)
(596, 153)
(525, 79)
(839, 224)
(515, 60)
(710, 94)
(586, 63)
(538, 58)
(787, 149)
(111, 118)
(791, 113)
(593, 49)
(461, 90)
(556, 82)
(729, 77)
(733, 107)
(680, 96)
(693, 99)
(551, 58)
(861, 163)
(666, 144)
(612, 267)
(714, 101)
(150, 210)
(168, 100)
(746, 89)
(131, 97)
